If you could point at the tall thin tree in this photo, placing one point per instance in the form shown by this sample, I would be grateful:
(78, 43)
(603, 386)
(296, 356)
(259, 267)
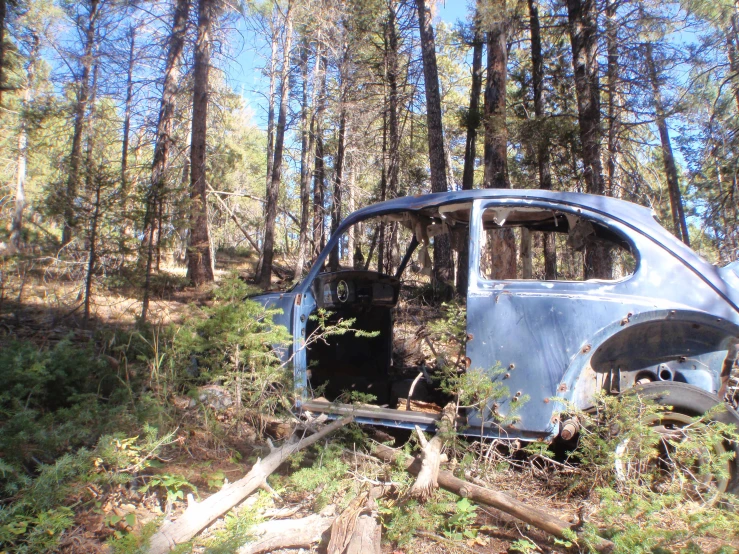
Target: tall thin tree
(542, 140)
(199, 267)
(273, 191)
(443, 263)
(164, 139)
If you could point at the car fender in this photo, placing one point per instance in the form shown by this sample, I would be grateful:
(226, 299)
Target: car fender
(689, 346)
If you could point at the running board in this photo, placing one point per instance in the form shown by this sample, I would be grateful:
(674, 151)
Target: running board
(384, 416)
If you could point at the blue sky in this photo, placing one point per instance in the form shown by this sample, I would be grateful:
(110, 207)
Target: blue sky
(244, 73)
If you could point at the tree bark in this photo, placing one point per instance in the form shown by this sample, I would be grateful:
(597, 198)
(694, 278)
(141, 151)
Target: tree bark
(201, 514)
(80, 109)
(443, 264)
(614, 107)
(338, 186)
(542, 140)
(271, 99)
(470, 147)
(199, 267)
(582, 16)
(307, 146)
(503, 242)
(319, 169)
(127, 118)
(680, 227)
(16, 227)
(273, 191)
(496, 130)
(3, 17)
(290, 533)
(164, 140)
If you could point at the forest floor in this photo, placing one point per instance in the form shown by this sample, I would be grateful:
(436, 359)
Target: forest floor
(212, 440)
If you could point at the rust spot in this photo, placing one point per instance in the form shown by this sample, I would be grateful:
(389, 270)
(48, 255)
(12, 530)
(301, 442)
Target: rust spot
(507, 375)
(298, 299)
(562, 387)
(514, 399)
(546, 401)
(467, 362)
(624, 321)
(586, 349)
(512, 366)
(518, 393)
(696, 326)
(555, 419)
(470, 336)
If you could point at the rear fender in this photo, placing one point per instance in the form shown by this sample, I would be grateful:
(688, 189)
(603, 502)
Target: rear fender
(670, 345)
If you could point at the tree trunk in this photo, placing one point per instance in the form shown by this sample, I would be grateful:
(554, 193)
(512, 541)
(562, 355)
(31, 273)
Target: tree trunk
(307, 145)
(503, 242)
(164, 140)
(199, 267)
(443, 264)
(470, 147)
(3, 16)
(393, 127)
(673, 184)
(338, 186)
(582, 17)
(583, 26)
(614, 108)
(16, 227)
(127, 119)
(271, 100)
(496, 131)
(542, 140)
(80, 109)
(319, 172)
(273, 191)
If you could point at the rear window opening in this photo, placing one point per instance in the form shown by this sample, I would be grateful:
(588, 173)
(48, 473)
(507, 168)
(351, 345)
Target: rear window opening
(513, 246)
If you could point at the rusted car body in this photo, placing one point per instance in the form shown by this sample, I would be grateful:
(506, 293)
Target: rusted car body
(673, 319)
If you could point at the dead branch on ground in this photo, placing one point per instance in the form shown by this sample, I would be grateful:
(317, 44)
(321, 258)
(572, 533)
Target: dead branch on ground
(201, 514)
(529, 514)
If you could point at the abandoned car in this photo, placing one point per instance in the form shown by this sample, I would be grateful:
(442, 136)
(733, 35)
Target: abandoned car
(658, 317)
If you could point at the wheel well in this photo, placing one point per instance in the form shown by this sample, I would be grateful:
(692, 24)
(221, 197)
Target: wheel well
(681, 350)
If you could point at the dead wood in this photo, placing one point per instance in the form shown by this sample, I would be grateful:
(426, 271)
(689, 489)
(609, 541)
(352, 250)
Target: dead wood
(525, 512)
(426, 481)
(287, 533)
(201, 514)
(366, 537)
(343, 527)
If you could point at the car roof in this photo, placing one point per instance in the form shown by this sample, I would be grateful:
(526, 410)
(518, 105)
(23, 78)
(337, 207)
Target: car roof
(640, 219)
(604, 204)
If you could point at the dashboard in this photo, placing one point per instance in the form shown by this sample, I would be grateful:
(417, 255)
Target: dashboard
(352, 288)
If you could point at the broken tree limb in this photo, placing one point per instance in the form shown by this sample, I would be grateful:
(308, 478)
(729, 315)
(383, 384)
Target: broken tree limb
(287, 533)
(426, 481)
(223, 204)
(525, 512)
(201, 514)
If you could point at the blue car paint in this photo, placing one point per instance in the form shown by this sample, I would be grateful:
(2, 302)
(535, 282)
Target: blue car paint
(545, 334)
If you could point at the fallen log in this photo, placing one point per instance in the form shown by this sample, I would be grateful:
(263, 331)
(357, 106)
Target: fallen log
(201, 514)
(525, 512)
(287, 533)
